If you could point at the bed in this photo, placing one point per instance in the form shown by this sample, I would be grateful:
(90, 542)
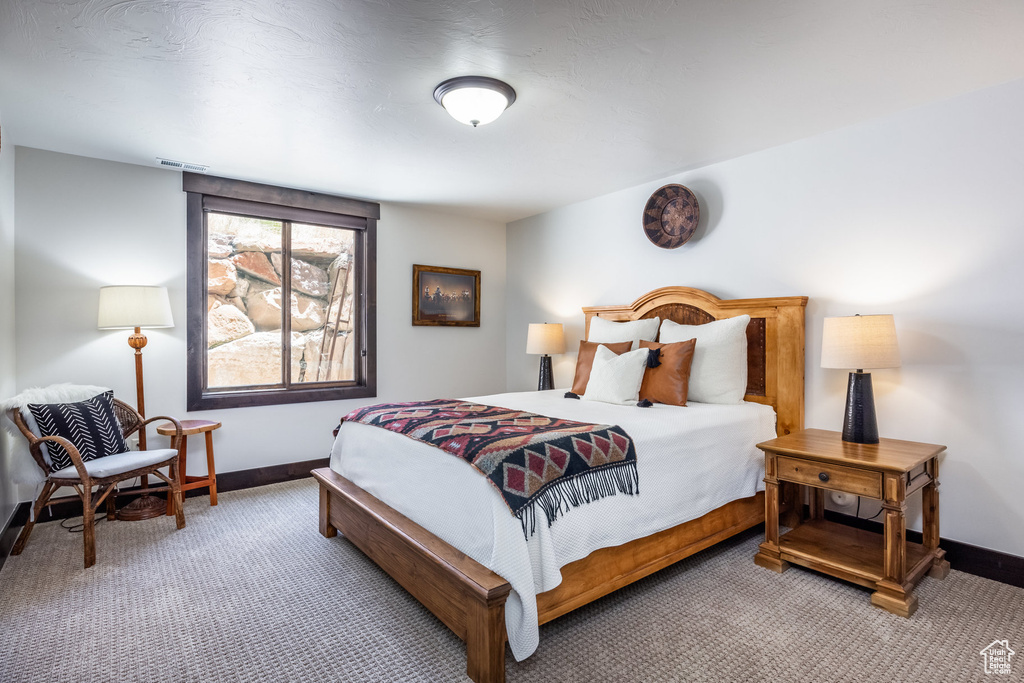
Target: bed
(470, 598)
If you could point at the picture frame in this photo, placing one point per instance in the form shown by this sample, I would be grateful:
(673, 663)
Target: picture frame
(448, 297)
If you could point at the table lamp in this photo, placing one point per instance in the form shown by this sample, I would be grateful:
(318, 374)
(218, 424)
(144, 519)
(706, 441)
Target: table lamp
(860, 341)
(125, 307)
(545, 339)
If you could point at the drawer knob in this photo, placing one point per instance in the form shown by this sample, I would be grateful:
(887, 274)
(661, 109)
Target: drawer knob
(823, 476)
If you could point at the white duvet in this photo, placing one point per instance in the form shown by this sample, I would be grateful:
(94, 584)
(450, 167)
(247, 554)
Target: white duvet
(690, 460)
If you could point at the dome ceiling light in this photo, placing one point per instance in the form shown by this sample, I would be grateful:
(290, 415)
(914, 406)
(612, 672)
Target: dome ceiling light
(474, 100)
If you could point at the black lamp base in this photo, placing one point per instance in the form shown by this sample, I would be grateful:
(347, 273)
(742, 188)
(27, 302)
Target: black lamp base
(544, 383)
(859, 424)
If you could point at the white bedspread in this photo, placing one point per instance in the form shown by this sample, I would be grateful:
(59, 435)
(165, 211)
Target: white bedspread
(690, 460)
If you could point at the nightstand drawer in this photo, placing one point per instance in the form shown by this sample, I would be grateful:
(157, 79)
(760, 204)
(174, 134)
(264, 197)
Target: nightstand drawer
(834, 477)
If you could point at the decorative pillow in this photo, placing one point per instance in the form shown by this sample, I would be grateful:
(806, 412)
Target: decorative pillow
(668, 382)
(719, 370)
(585, 360)
(90, 425)
(616, 378)
(607, 332)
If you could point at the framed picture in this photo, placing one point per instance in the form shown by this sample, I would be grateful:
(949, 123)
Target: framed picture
(445, 296)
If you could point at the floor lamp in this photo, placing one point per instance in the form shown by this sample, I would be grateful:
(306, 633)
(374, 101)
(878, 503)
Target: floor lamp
(135, 307)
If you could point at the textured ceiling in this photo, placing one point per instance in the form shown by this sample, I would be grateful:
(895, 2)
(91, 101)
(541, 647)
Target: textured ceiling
(335, 95)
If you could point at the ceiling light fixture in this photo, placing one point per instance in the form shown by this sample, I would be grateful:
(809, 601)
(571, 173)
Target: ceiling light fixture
(474, 100)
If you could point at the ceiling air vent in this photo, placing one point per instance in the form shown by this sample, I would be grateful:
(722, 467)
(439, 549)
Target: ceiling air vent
(182, 166)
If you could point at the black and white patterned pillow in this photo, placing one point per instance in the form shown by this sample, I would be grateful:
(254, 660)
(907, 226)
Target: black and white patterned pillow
(90, 425)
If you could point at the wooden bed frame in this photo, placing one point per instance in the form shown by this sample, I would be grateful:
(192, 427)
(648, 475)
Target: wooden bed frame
(470, 598)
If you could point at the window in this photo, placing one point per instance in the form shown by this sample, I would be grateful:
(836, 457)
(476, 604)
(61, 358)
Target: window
(252, 247)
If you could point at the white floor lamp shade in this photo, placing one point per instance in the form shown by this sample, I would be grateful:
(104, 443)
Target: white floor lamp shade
(128, 306)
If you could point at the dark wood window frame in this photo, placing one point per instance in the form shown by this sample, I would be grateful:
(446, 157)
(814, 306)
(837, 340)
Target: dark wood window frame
(205, 193)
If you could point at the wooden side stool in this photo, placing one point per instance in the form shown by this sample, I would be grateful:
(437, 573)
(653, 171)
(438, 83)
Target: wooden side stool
(189, 428)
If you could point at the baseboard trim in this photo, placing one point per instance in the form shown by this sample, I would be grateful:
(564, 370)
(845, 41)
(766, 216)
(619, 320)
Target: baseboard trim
(261, 476)
(227, 481)
(971, 559)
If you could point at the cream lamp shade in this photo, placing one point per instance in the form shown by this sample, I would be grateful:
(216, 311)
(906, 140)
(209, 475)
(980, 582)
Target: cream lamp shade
(545, 338)
(130, 306)
(861, 342)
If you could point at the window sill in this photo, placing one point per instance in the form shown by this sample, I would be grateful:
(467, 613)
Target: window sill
(213, 400)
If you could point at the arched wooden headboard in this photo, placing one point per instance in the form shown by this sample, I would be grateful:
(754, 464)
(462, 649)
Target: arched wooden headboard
(775, 340)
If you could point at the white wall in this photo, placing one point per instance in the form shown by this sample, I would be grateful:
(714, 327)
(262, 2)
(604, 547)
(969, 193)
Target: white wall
(83, 223)
(8, 494)
(919, 215)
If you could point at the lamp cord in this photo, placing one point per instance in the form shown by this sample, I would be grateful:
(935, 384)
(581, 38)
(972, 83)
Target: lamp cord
(80, 526)
(857, 514)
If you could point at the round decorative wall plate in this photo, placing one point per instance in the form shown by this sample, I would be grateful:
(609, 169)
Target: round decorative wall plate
(671, 216)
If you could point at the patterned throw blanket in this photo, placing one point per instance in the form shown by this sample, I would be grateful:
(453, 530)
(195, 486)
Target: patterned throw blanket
(532, 460)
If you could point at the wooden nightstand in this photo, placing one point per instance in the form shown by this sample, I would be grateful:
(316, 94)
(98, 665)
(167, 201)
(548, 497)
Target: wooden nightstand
(887, 471)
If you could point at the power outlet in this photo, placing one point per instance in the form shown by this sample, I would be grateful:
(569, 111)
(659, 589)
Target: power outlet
(842, 499)
(133, 442)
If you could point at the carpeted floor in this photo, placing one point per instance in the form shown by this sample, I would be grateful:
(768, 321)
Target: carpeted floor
(249, 591)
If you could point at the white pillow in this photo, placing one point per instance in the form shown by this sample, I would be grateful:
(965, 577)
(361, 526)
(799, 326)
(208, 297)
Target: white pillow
(719, 370)
(616, 378)
(607, 332)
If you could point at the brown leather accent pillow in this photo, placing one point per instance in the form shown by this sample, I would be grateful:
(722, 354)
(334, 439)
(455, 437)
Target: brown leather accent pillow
(585, 361)
(669, 382)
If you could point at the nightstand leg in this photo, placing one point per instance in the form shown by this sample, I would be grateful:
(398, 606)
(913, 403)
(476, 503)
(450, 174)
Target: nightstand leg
(892, 594)
(791, 504)
(817, 502)
(768, 554)
(930, 511)
(899, 602)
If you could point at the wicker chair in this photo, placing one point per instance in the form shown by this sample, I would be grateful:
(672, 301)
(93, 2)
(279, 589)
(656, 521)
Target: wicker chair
(101, 473)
